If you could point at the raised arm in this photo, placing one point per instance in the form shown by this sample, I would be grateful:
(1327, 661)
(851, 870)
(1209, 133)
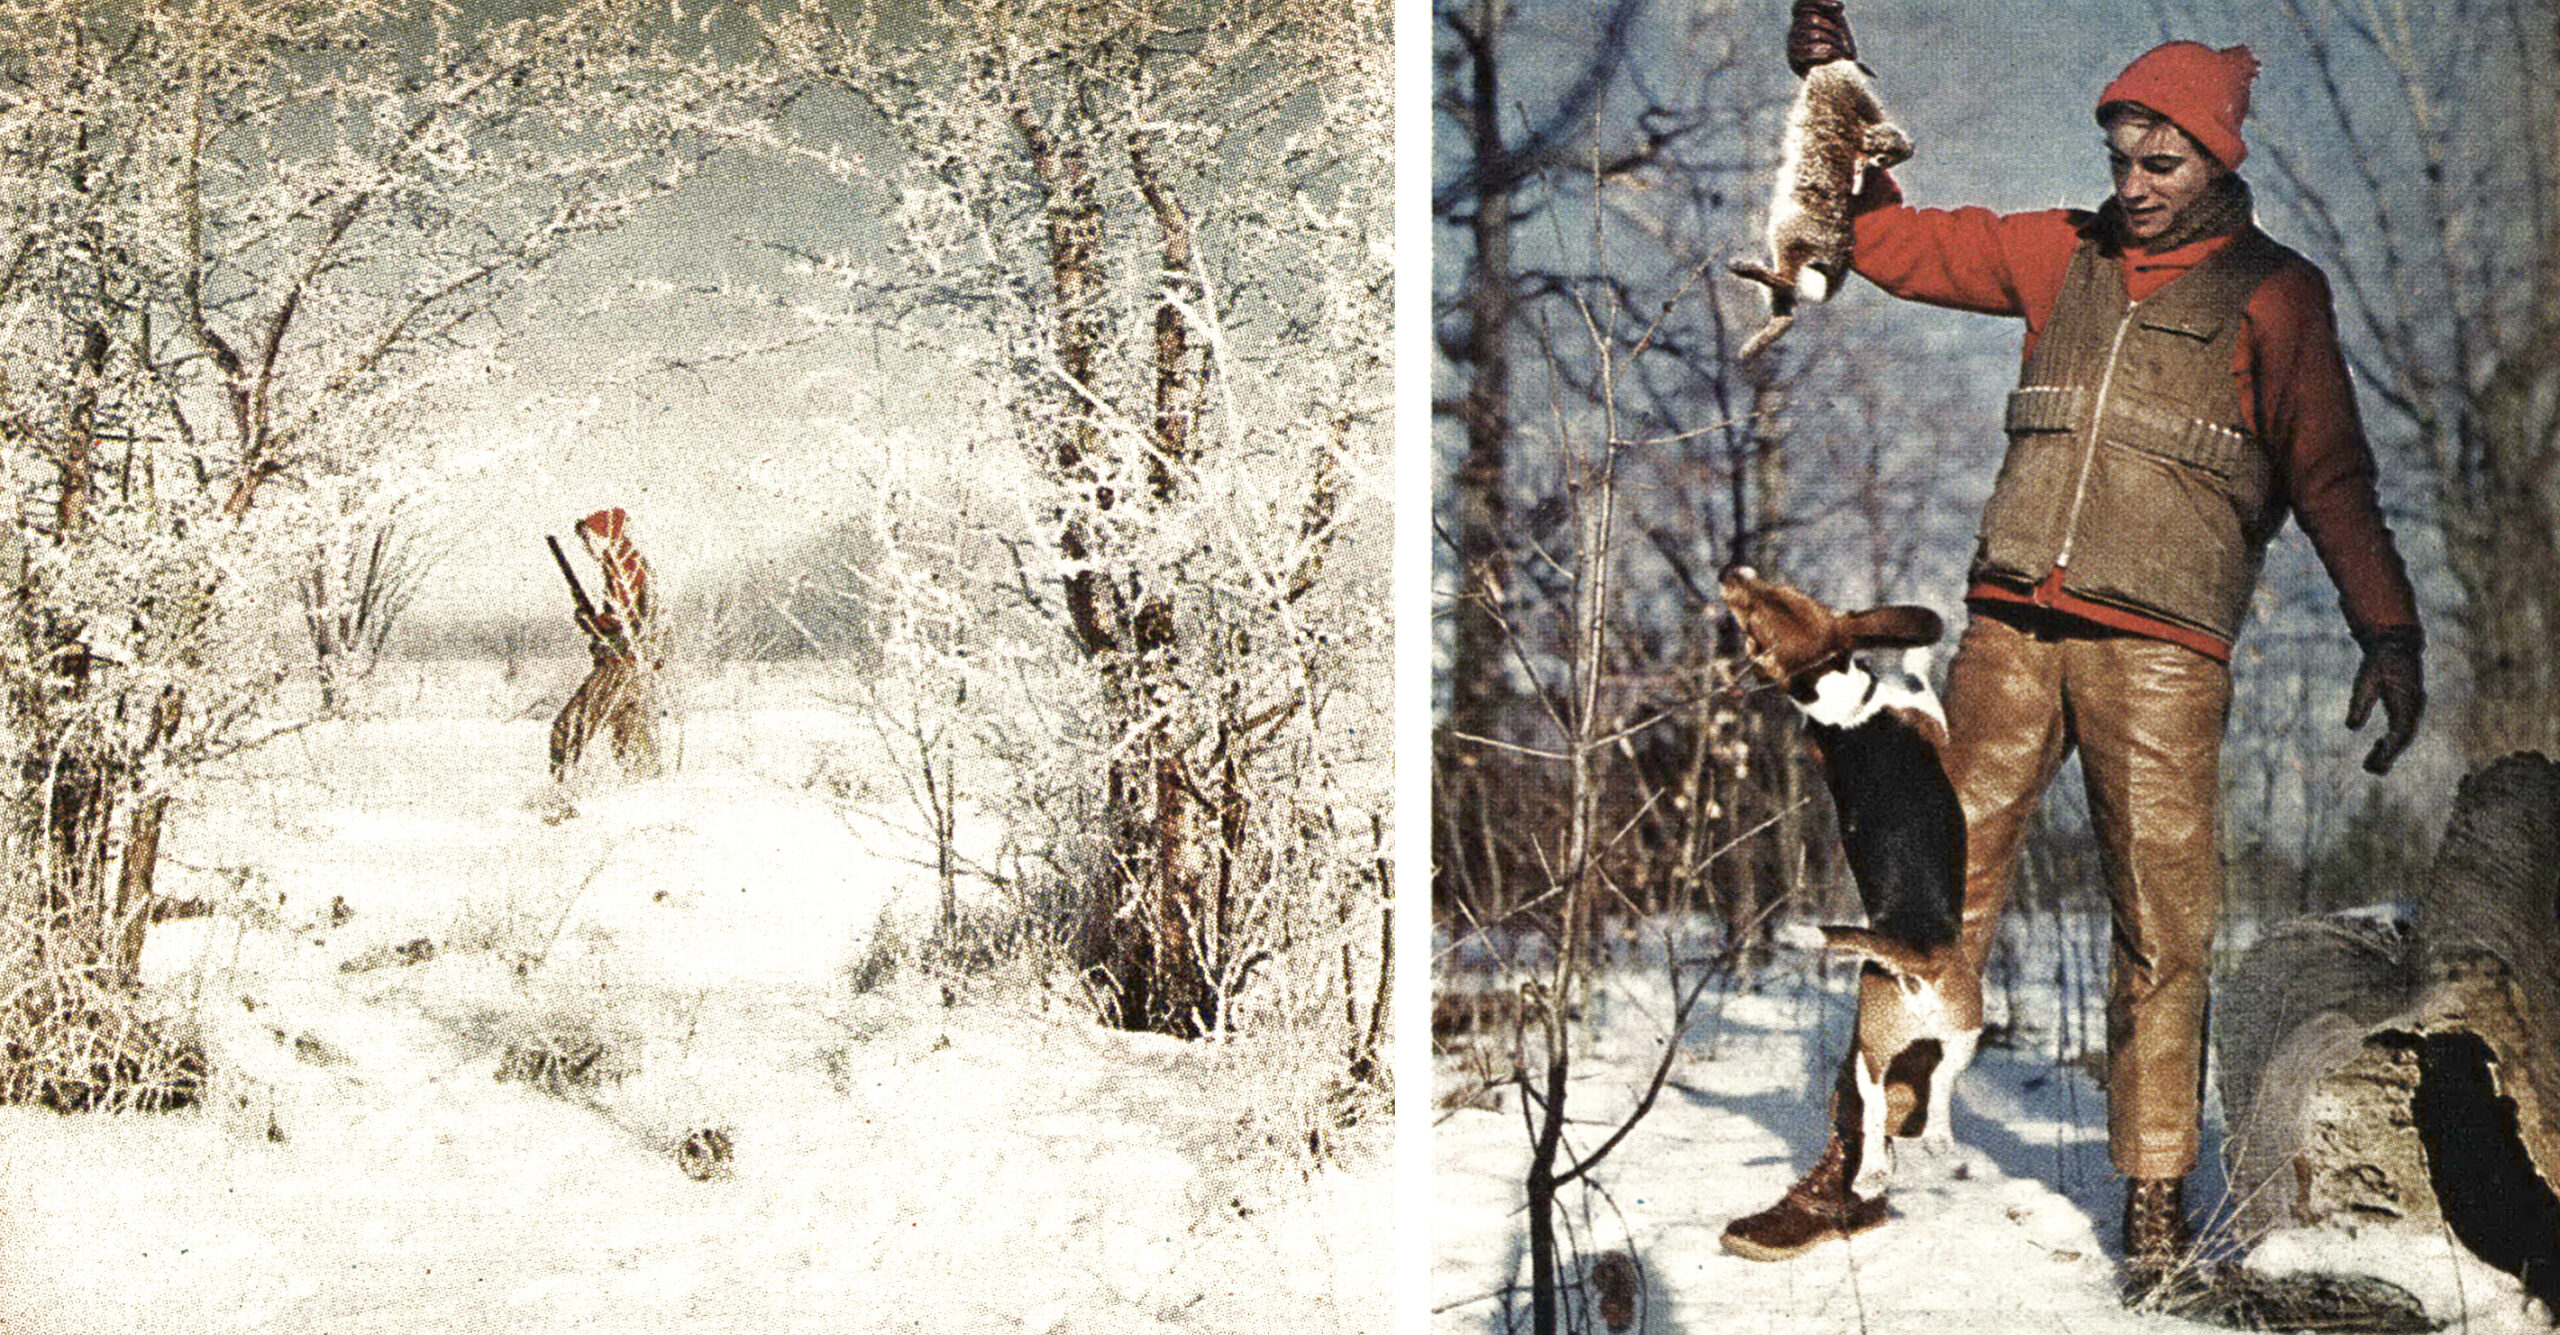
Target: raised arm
(1967, 259)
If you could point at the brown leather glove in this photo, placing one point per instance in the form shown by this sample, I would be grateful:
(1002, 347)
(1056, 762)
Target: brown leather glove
(1818, 35)
(2395, 674)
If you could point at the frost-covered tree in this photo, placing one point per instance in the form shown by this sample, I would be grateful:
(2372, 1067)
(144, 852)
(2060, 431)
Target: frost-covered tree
(1156, 233)
(245, 243)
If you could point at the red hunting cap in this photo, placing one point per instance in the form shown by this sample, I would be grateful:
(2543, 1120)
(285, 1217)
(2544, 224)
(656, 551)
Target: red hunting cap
(2202, 91)
(606, 524)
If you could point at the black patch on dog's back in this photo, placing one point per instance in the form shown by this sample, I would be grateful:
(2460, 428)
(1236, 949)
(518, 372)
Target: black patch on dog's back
(1900, 826)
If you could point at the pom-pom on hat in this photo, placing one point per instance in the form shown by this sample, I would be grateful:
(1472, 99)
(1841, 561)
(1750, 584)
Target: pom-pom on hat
(2202, 91)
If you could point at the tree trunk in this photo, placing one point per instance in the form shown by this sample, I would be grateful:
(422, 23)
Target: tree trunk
(1179, 952)
(1366, 1053)
(943, 799)
(137, 869)
(1545, 1270)
(1093, 617)
(78, 812)
(1153, 956)
(2408, 1073)
(2504, 552)
(1178, 379)
(1478, 663)
(1189, 943)
(1075, 279)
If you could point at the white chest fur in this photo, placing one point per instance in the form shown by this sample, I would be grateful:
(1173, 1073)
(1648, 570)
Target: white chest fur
(1868, 684)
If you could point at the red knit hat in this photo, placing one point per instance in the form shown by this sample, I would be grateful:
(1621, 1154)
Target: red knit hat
(606, 524)
(2202, 91)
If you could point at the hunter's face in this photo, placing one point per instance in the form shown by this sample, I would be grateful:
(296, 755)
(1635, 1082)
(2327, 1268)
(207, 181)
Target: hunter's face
(2159, 175)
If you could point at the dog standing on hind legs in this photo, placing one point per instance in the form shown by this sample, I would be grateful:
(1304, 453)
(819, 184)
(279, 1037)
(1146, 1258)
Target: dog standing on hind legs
(1881, 735)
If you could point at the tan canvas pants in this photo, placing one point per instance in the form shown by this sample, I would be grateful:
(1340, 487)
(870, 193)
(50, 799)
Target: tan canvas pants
(2147, 720)
(614, 697)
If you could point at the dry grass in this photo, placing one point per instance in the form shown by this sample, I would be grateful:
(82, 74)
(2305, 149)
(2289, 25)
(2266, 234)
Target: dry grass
(70, 1044)
(563, 1057)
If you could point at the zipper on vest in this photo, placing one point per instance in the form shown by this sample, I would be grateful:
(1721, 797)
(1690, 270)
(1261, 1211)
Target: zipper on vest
(2097, 419)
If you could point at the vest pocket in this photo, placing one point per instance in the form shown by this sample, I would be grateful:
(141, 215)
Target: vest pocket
(2202, 326)
(2022, 524)
(2030, 501)
(2148, 546)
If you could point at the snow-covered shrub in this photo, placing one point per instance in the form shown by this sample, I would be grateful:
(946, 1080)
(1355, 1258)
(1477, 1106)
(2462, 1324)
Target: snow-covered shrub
(72, 1046)
(796, 603)
(1298, 1104)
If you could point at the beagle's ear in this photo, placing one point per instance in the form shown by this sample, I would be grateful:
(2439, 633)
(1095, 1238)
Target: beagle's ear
(1898, 627)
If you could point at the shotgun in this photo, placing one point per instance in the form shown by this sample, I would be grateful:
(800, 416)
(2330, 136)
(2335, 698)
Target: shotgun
(588, 621)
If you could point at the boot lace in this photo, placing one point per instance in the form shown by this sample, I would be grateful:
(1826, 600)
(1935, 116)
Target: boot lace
(1825, 1186)
(2155, 1221)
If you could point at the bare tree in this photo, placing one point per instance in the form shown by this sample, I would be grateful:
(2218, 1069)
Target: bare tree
(366, 567)
(1504, 165)
(1546, 948)
(1516, 367)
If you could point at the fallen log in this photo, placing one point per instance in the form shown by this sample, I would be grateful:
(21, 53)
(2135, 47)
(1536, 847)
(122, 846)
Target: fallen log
(2402, 1069)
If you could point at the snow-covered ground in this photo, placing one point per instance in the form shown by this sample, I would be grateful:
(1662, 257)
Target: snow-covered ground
(907, 1153)
(2017, 1233)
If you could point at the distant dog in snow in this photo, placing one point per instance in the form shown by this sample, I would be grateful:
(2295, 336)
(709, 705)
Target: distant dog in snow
(1881, 735)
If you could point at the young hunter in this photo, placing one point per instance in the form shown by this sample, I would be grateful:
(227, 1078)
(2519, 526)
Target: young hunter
(615, 694)
(2182, 394)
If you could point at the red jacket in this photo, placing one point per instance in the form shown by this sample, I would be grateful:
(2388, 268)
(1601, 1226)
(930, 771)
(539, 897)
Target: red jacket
(626, 576)
(2291, 377)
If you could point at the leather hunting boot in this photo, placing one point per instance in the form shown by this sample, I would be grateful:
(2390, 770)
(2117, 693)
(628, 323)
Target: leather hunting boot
(2157, 1237)
(1815, 1210)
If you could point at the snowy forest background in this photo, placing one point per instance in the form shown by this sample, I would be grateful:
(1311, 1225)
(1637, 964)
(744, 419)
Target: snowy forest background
(999, 392)
(1624, 836)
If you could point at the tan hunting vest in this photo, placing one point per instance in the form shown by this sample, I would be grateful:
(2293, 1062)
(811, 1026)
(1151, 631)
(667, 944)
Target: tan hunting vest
(2129, 468)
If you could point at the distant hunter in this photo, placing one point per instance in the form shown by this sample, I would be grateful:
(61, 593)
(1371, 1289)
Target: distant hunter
(616, 694)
